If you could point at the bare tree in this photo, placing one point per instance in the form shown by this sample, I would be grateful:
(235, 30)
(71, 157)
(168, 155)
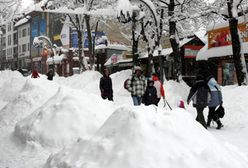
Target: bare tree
(9, 9)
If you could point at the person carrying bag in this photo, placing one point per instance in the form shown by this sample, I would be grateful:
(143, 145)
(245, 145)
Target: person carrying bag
(216, 110)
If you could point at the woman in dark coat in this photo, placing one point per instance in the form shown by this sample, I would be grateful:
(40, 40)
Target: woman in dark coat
(106, 86)
(200, 95)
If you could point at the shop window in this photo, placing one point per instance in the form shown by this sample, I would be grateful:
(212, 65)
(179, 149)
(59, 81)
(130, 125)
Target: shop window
(229, 74)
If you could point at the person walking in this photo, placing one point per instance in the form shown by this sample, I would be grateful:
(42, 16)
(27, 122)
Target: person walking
(35, 74)
(150, 96)
(136, 85)
(200, 95)
(216, 100)
(50, 75)
(106, 86)
(159, 87)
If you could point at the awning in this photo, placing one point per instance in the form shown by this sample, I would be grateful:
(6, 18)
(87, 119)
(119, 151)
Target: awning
(205, 53)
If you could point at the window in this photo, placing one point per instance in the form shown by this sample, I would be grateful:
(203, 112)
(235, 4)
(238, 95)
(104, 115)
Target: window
(28, 47)
(24, 32)
(24, 49)
(9, 39)
(28, 31)
(20, 49)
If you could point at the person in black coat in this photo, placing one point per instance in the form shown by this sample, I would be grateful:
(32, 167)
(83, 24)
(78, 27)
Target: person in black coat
(50, 75)
(150, 96)
(200, 95)
(106, 86)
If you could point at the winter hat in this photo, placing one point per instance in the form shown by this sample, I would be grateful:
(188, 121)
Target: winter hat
(137, 68)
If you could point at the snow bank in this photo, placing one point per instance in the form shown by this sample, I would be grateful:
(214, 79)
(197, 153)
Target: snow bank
(29, 96)
(80, 81)
(65, 117)
(147, 137)
(8, 84)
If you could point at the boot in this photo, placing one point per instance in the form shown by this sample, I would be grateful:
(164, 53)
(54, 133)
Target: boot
(219, 125)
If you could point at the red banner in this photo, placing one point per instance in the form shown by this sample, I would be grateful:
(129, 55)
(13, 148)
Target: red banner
(190, 51)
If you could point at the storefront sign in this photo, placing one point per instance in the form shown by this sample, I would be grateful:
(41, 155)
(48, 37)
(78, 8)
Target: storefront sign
(190, 51)
(56, 37)
(222, 36)
(36, 59)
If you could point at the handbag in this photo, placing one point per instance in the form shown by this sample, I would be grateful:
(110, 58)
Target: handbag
(220, 111)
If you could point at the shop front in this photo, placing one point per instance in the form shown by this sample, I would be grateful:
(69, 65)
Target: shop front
(219, 51)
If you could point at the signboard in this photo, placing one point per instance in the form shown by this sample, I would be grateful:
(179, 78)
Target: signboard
(98, 39)
(56, 37)
(190, 51)
(222, 36)
(64, 35)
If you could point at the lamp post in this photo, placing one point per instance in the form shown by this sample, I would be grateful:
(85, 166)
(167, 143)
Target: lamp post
(1, 48)
(39, 41)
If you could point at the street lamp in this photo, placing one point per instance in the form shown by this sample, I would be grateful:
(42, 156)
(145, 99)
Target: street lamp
(39, 41)
(1, 47)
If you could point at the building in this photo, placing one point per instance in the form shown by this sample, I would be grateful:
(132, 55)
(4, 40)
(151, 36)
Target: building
(24, 54)
(218, 51)
(9, 48)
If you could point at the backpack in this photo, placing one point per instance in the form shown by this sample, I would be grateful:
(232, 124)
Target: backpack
(126, 83)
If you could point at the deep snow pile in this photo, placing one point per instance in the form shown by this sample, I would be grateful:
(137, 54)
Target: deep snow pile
(33, 93)
(38, 117)
(65, 117)
(8, 84)
(148, 137)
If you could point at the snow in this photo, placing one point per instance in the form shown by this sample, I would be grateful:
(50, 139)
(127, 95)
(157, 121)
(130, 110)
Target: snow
(57, 59)
(21, 21)
(118, 144)
(165, 52)
(113, 46)
(65, 123)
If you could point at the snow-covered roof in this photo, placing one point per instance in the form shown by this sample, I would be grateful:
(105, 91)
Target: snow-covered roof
(101, 46)
(184, 41)
(202, 35)
(113, 46)
(57, 59)
(166, 51)
(206, 53)
(224, 23)
(21, 21)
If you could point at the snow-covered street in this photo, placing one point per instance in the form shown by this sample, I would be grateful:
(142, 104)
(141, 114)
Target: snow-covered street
(65, 123)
